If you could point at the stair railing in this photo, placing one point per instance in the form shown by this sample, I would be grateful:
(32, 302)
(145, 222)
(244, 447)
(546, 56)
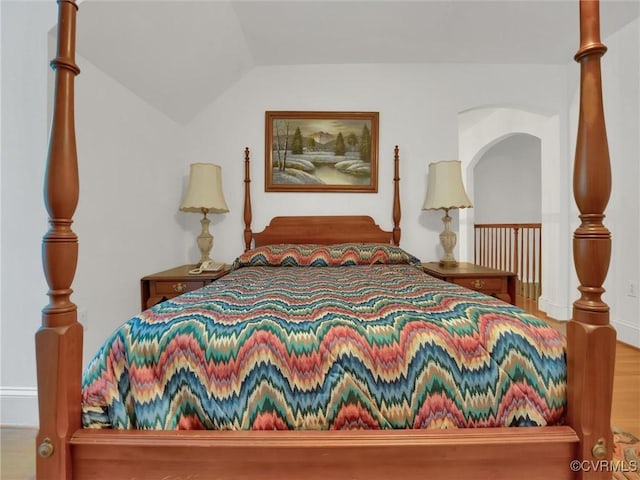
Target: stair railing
(514, 247)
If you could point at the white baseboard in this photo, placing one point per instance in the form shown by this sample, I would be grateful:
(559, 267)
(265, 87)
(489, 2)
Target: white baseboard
(557, 312)
(627, 333)
(19, 406)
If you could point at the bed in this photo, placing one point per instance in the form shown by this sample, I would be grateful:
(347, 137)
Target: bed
(581, 431)
(327, 337)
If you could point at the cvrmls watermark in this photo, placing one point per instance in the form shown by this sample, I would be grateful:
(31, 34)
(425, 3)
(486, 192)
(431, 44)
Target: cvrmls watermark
(603, 466)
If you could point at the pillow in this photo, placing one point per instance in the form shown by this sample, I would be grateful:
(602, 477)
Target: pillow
(312, 255)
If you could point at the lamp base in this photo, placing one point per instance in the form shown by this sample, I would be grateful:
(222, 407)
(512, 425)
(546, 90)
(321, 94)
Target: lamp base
(448, 263)
(205, 240)
(448, 242)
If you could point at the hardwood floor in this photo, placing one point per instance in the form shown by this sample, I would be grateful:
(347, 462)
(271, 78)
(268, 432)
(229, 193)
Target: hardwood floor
(626, 390)
(625, 412)
(17, 453)
(17, 445)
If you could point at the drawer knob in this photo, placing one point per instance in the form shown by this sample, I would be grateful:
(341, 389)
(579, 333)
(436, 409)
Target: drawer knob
(599, 450)
(45, 449)
(478, 283)
(179, 287)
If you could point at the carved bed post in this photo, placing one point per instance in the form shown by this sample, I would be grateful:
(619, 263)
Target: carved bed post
(396, 196)
(591, 340)
(247, 202)
(59, 340)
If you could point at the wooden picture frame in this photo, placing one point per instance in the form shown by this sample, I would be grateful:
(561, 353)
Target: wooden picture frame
(321, 151)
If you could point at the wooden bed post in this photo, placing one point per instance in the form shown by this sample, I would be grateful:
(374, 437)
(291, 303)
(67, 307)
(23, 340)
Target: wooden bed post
(591, 340)
(247, 202)
(396, 196)
(59, 340)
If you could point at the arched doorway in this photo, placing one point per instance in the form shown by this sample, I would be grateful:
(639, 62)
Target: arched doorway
(480, 130)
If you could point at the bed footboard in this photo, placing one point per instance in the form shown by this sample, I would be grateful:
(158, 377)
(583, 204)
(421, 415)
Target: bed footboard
(538, 453)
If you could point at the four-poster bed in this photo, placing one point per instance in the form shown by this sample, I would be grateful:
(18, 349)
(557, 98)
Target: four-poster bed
(65, 450)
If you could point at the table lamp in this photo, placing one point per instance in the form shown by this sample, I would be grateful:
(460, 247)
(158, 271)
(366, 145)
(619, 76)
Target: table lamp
(204, 194)
(444, 192)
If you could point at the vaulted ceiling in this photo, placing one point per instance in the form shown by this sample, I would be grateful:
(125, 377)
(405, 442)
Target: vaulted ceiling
(179, 56)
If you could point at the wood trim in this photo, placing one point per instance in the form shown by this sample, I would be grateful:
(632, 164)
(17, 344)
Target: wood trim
(506, 225)
(496, 453)
(323, 230)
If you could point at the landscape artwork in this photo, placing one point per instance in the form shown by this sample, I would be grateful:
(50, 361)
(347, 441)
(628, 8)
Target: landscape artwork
(321, 152)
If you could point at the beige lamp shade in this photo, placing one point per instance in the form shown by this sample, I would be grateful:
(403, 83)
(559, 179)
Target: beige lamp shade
(204, 193)
(444, 192)
(445, 189)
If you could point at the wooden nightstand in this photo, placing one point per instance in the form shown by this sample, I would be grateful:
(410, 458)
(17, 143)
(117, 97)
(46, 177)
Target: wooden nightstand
(162, 286)
(496, 283)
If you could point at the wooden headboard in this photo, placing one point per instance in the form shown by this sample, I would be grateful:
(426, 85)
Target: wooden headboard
(322, 229)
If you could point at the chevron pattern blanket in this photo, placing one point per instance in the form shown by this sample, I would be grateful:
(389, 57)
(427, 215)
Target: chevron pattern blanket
(366, 346)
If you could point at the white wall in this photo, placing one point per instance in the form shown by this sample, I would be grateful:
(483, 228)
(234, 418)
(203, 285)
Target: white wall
(480, 130)
(621, 92)
(507, 182)
(24, 145)
(418, 107)
(132, 174)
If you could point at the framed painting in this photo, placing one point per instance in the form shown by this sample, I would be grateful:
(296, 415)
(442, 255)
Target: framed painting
(321, 152)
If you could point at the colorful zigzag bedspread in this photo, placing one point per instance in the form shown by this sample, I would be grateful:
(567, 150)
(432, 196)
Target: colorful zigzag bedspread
(324, 343)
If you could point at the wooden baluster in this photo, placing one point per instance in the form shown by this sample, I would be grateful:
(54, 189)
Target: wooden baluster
(494, 250)
(475, 244)
(536, 271)
(515, 259)
(532, 281)
(487, 241)
(507, 248)
(59, 339)
(539, 290)
(525, 260)
(509, 259)
(590, 383)
(503, 242)
(487, 261)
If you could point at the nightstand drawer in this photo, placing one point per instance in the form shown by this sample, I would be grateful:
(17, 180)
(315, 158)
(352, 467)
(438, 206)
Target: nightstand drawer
(490, 281)
(164, 285)
(175, 287)
(486, 285)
